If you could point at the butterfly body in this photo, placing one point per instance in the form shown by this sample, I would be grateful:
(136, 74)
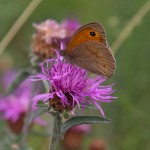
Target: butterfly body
(88, 49)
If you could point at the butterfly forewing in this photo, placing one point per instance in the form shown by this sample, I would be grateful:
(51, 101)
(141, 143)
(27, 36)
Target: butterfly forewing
(84, 34)
(88, 49)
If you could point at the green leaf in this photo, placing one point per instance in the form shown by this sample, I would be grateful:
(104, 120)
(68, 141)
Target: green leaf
(82, 120)
(65, 114)
(20, 77)
(46, 85)
(41, 104)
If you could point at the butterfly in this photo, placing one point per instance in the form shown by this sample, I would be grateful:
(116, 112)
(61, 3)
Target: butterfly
(88, 48)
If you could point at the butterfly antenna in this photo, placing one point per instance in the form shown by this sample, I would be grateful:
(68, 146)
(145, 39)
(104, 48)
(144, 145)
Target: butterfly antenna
(57, 42)
(61, 52)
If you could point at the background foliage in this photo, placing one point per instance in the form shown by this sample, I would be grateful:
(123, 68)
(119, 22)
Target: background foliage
(131, 124)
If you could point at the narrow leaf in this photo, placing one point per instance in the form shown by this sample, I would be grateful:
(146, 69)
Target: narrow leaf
(82, 120)
(41, 104)
(46, 85)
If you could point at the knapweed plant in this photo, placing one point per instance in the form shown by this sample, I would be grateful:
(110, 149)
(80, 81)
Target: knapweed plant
(67, 86)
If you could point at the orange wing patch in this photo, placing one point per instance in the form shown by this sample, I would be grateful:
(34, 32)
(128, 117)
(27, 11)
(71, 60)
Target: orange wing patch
(89, 32)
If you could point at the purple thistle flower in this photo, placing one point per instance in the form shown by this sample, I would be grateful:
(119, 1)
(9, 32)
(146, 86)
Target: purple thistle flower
(51, 29)
(72, 86)
(70, 25)
(13, 106)
(49, 34)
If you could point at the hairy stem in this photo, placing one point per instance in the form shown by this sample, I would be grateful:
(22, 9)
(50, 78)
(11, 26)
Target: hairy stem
(56, 131)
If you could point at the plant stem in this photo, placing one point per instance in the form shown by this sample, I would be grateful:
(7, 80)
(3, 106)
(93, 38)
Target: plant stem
(56, 131)
(25, 130)
(18, 24)
(27, 124)
(135, 20)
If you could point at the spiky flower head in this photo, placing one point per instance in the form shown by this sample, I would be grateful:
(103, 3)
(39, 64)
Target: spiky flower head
(13, 108)
(70, 86)
(49, 34)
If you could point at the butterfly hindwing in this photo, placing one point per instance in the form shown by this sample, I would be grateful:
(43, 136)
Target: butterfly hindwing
(94, 57)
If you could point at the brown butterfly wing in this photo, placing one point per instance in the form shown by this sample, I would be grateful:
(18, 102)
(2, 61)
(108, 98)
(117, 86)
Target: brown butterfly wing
(88, 49)
(83, 34)
(94, 57)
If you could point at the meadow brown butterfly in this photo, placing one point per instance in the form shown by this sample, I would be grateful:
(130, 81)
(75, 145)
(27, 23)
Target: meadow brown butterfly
(88, 49)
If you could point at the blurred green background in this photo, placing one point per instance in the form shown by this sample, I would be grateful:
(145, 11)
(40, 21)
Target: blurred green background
(130, 128)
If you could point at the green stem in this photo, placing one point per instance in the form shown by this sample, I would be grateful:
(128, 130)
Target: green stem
(133, 22)
(18, 24)
(56, 131)
(27, 124)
